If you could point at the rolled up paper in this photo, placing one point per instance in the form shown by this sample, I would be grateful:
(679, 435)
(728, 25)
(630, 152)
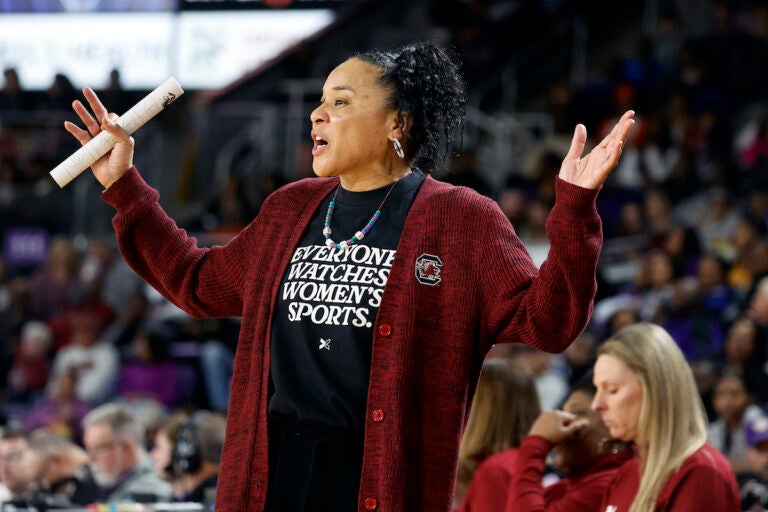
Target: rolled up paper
(101, 144)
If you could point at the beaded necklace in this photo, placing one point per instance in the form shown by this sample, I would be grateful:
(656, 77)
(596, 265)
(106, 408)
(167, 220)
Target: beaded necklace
(344, 244)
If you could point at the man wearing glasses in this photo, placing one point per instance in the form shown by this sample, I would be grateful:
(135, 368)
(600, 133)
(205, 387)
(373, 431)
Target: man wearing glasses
(114, 440)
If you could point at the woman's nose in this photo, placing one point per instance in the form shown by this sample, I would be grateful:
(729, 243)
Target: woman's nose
(318, 115)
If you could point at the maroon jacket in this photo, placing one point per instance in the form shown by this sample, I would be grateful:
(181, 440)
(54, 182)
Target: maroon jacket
(576, 493)
(704, 481)
(461, 281)
(488, 489)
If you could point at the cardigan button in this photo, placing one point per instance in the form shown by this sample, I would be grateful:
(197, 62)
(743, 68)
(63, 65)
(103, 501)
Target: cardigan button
(385, 330)
(371, 503)
(377, 415)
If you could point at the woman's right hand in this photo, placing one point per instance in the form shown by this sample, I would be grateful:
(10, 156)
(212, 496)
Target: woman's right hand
(557, 426)
(111, 167)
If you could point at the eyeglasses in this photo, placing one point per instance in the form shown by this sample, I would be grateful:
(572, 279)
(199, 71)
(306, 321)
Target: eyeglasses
(101, 448)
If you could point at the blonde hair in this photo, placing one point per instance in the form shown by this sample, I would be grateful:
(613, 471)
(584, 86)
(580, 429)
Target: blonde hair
(672, 423)
(504, 408)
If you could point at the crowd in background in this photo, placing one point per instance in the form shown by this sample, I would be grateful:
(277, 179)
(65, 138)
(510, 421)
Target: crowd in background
(686, 246)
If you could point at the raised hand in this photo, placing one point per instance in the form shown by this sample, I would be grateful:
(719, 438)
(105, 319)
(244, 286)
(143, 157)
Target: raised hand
(557, 426)
(591, 170)
(114, 164)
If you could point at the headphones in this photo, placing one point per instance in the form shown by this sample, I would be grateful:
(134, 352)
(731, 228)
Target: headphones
(186, 457)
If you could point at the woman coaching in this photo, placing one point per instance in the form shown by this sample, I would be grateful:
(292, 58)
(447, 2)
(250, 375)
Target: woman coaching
(369, 296)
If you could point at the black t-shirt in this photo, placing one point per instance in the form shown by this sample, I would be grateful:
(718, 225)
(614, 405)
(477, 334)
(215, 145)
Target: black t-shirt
(326, 308)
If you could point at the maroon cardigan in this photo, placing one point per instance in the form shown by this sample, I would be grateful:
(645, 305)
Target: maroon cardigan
(429, 339)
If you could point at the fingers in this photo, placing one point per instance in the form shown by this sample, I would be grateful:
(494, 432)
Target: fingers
(577, 143)
(110, 124)
(621, 129)
(576, 424)
(81, 135)
(93, 100)
(86, 117)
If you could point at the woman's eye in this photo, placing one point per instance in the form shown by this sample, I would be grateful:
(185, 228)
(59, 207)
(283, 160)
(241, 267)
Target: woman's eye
(339, 102)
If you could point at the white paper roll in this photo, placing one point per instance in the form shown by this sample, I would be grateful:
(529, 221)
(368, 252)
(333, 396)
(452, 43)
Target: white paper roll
(137, 116)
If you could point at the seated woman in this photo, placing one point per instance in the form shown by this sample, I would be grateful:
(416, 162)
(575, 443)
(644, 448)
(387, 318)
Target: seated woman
(504, 408)
(583, 451)
(647, 395)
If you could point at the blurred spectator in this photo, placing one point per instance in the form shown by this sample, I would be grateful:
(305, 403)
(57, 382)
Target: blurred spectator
(754, 157)
(754, 483)
(621, 318)
(12, 318)
(504, 408)
(655, 284)
(12, 97)
(115, 442)
(113, 95)
(718, 224)
(551, 386)
(120, 281)
(18, 468)
(747, 237)
(657, 213)
(681, 243)
(132, 315)
(150, 372)
(580, 357)
(745, 357)
(217, 341)
(705, 373)
(658, 152)
(217, 363)
(758, 306)
(58, 96)
(55, 284)
(89, 302)
(734, 408)
(229, 212)
(631, 220)
(533, 231)
(60, 411)
(196, 456)
(163, 446)
(464, 172)
(96, 363)
(65, 477)
(29, 373)
(699, 310)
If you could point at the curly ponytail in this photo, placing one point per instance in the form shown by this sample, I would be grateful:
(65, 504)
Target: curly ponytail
(427, 84)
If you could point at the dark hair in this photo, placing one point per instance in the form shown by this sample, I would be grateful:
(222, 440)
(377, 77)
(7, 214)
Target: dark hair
(427, 84)
(585, 384)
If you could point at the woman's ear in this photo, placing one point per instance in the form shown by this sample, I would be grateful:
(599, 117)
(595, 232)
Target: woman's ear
(402, 125)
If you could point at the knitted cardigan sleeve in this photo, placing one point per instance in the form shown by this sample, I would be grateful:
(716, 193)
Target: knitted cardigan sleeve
(546, 307)
(201, 281)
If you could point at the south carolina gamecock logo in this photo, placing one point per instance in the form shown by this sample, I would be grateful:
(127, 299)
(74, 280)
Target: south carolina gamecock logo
(428, 269)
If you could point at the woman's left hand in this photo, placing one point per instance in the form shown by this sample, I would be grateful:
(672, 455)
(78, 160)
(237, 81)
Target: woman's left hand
(592, 170)
(557, 426)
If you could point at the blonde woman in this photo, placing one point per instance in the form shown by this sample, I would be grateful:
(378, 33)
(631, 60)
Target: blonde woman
(504, 408)
(646, 394)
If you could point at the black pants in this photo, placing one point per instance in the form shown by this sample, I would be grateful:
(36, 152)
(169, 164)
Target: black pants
(313, 469)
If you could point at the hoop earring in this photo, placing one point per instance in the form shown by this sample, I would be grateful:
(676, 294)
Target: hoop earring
(398, 148)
